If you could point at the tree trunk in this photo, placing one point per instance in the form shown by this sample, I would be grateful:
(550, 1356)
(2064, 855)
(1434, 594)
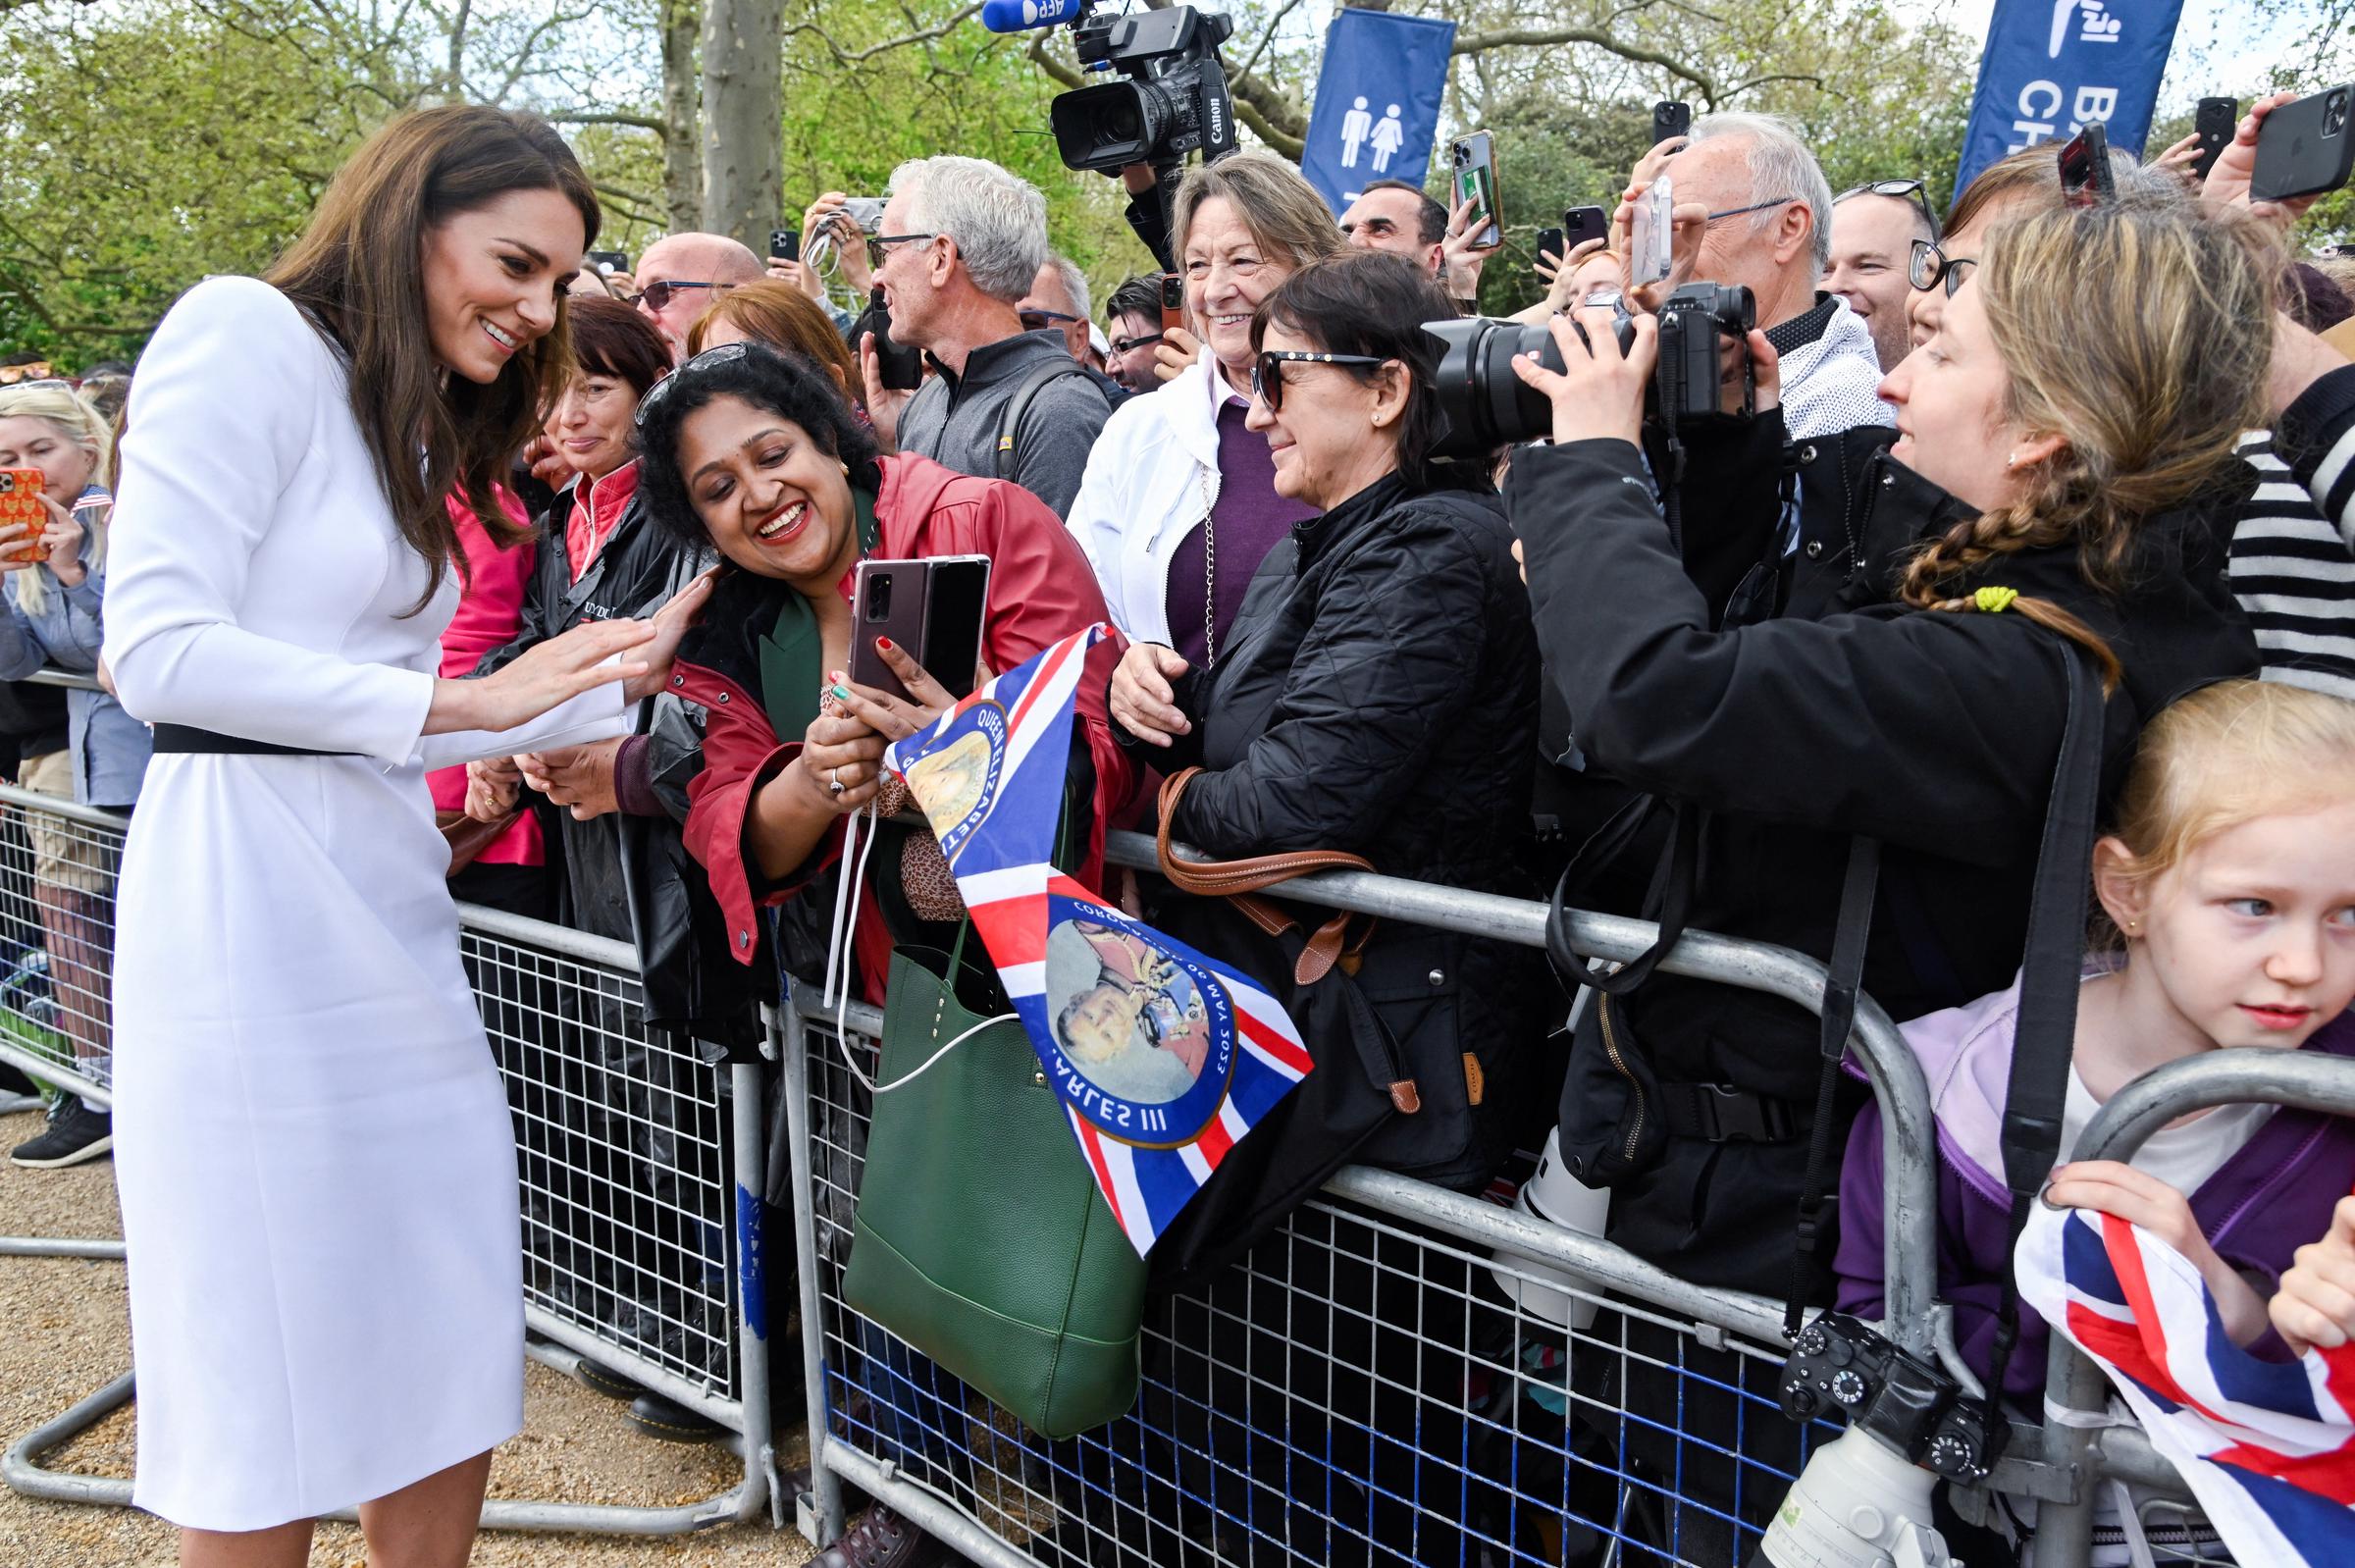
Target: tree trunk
(682, 121)
(743, 115)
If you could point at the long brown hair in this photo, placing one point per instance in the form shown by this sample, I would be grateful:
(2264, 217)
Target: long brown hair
(2139, 333)
(358, 270)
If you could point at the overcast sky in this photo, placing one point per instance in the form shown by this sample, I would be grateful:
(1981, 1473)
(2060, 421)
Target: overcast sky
(2214, 44)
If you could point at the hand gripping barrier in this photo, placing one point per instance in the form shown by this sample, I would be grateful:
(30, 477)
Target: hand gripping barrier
(642, 1172)
(1370, 1397)
(2077, 1441)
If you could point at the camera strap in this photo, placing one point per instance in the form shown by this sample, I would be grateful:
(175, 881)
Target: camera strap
(2045, 1040)
(1668, 902)
(1840, 980)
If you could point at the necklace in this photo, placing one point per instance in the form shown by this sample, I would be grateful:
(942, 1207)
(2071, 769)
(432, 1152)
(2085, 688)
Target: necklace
(1210, 571)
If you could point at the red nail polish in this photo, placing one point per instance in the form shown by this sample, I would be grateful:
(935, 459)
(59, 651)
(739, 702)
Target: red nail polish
(883, 643)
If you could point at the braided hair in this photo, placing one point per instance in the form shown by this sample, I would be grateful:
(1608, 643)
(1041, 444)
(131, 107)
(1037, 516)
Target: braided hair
(2140, 333)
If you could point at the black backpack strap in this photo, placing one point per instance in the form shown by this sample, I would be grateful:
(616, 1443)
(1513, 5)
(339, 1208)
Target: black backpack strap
(2038, 1092)
(1668, 903)
(1843, 977)
(1025, 393)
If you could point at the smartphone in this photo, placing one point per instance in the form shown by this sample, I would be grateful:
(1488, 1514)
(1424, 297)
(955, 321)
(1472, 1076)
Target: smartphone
(1652, 237)
(2214, 123)
(1474, 159)
(2086, 178)
(608, 262)
(784, 244)
(901, 365)
(931, 608)
(1671, 117)
(2303, 148)
(1551, 243)
(20, 503)
(1582, 224)
(1173, 301)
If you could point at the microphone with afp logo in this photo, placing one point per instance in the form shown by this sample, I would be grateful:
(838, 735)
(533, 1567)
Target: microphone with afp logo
(1020, 16)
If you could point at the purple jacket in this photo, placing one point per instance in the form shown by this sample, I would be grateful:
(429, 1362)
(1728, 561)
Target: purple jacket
(2268, 1200)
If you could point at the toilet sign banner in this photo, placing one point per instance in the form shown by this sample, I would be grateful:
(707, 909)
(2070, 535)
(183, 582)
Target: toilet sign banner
(1164, 1058)
(1377, 106)
(2052, 66)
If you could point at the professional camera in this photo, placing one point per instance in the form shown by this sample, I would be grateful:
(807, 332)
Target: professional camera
(1693, 319)
(1487, 405)
(1864, 1500)
(1174, 102)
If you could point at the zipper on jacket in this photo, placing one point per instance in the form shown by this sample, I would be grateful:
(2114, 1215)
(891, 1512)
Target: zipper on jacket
(1611, 1047)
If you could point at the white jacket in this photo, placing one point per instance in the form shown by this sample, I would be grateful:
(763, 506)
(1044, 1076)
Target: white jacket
(1152, 478)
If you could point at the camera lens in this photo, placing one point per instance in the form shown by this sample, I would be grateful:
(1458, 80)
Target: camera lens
(1485, 403)
(2335, 113)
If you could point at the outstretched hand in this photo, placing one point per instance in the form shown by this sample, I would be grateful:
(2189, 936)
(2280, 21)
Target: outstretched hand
(671, 623)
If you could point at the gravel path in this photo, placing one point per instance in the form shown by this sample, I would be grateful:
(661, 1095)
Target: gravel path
(69, 1335)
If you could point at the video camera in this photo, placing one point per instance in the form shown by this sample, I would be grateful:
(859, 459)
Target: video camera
(1174, 102)
(1489, 406)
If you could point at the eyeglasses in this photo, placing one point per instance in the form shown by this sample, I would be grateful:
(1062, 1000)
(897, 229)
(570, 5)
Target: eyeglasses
(1756, 206)
(656, 297)
(708, 359)
(1929, 264)
(1267, 371)
(1911, 191)
(1033, 320)
(875, 244)
(1129, 345)
(10, 375)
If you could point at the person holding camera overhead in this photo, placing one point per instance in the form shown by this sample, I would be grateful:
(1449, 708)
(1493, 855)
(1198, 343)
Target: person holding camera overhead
(313, 1146)
(2064, 442)
(1180, 503)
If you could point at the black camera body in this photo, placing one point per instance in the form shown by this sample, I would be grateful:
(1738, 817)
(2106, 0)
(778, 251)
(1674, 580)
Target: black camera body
(1914, 1407)
(1174, 101)
(1691, 321)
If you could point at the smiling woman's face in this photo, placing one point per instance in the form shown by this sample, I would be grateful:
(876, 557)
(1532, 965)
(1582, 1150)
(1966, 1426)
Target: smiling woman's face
(773, 500)
(590, 423)
(491, 278)
(1228, 272)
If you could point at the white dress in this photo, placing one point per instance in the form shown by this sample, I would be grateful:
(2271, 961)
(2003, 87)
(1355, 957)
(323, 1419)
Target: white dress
(312, 1144)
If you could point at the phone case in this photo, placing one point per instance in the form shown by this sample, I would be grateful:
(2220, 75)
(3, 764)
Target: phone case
(785, 245)
(1173, 301)
(20, 503)
(1582, 224)
(1670, 118)
(2305, 147)
(1475, 161)
(931, 608)
(1551, 242)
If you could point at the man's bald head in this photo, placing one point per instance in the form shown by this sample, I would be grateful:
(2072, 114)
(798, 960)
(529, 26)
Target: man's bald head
(714, 262)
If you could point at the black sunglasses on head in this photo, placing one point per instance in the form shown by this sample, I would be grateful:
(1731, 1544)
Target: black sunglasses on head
(1267, 371)
(709, 358)
(1912, 191)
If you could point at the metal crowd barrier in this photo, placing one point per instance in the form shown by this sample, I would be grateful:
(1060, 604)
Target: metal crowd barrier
(1372, 1397)
(642, 1170)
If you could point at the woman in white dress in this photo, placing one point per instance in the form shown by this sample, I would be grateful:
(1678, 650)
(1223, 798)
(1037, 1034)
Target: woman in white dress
(315, 1158)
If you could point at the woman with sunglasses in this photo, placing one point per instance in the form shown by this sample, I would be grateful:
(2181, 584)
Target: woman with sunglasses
(1378, 694)
(314, 1153)
(1180, 506)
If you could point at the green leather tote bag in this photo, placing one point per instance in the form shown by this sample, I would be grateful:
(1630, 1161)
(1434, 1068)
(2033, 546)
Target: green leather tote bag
(980, 1238)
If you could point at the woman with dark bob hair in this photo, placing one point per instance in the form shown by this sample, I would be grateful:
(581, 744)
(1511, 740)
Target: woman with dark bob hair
(314, 1153)
(754, 453)
(1379, 692)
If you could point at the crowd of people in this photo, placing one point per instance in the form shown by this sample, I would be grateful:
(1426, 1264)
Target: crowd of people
(1800, 676)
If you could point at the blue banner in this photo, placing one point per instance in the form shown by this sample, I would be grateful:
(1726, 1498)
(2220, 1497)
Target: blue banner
(1378, 98)
(2052, 66)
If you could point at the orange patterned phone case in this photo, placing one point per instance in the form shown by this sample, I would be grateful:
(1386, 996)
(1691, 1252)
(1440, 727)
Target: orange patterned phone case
(20, 503)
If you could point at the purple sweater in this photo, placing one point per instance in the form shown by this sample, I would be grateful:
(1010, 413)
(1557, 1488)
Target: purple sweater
(2271, 1198)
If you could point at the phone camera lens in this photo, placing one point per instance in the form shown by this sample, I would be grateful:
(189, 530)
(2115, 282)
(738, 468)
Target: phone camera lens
(878, 596)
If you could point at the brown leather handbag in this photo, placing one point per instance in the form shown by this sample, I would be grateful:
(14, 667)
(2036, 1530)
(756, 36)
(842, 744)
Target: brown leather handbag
(1240, 882)
(468, 838)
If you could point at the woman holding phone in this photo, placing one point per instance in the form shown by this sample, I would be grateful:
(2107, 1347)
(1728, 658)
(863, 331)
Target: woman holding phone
(313, 1148)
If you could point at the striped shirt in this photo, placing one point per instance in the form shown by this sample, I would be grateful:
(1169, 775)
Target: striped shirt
(2293, 541)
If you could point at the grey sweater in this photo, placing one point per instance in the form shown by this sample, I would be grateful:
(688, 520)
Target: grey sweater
(953, 419)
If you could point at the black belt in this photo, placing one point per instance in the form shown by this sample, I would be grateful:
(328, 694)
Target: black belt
(188, 738)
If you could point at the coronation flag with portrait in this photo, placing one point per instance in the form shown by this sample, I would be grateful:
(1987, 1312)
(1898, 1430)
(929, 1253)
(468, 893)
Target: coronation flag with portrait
(1164, 1058)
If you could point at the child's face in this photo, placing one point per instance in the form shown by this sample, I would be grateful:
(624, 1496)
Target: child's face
(2252, 936)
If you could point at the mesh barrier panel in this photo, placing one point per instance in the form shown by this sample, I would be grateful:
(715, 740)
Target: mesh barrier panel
(57, 941)
(1359, 1390)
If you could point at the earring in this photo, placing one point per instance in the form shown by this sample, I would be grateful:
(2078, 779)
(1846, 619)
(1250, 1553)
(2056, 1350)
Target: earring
(846, 468)
(2012, 461)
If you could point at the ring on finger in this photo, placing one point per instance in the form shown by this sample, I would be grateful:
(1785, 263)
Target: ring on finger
(833, 781)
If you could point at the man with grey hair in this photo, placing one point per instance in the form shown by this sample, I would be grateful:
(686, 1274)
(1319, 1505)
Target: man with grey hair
(1058, 298)
(962, 243)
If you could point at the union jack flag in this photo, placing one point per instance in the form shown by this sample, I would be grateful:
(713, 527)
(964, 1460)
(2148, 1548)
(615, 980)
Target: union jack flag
(2267, 1447)
(1164, 1058)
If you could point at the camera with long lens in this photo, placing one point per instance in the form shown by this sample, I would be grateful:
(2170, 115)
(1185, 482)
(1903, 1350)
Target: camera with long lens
(1489, 406)
(1863, 1501)
(1175, 100)
(1693, 324)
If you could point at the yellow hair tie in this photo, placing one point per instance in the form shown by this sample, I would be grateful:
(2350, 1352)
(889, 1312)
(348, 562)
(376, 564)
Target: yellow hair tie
(1995, 601)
